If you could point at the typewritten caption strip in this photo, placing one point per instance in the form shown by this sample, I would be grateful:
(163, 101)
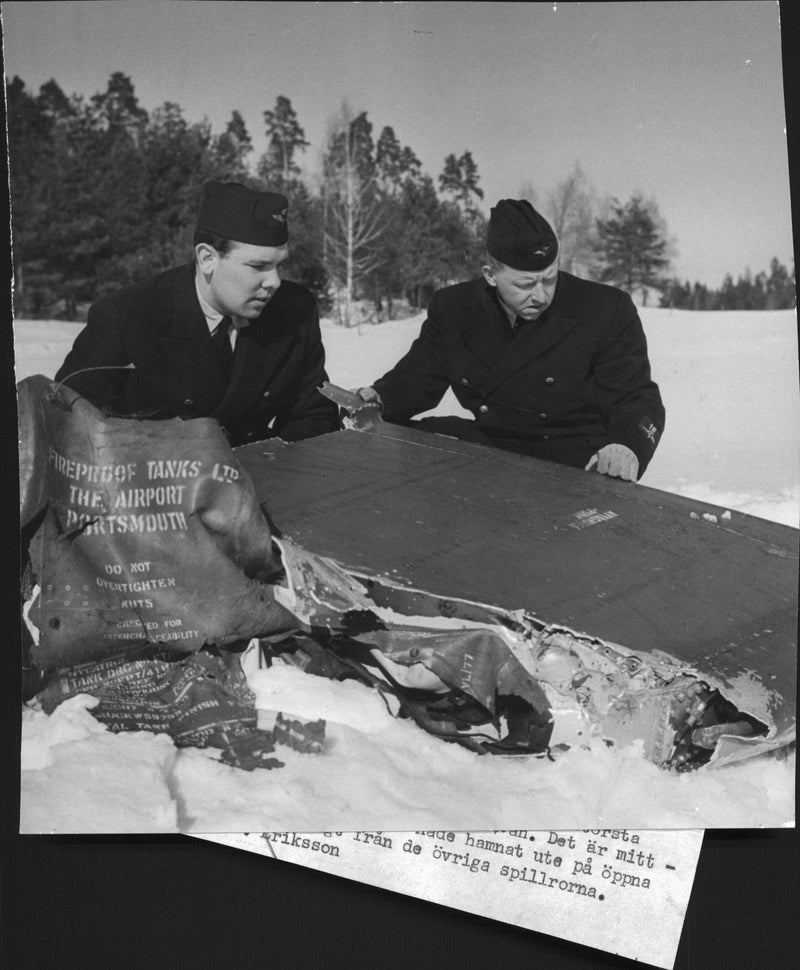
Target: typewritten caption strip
(612, 889)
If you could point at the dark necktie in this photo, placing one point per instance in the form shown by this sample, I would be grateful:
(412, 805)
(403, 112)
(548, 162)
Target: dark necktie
(221, 337)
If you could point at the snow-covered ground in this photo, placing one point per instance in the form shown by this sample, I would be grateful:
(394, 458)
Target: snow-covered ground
(730, 385)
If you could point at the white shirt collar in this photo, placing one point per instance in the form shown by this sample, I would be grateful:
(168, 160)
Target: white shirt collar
(213, 316)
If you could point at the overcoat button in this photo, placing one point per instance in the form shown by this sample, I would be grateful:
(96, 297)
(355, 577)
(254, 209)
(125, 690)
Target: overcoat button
(267, 393)
(549, 380)
(464, 381)
(542, 416)
(483, 408)
(188, 402)
(545, 437)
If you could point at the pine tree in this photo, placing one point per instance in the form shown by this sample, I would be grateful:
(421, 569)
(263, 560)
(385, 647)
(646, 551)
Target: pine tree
(232, 147)
(104, 204)
(702, 299)
(436, 245)
(117, 109)
(285, 139)
(84, 191)
(458, 183)
(394, 163)
(779, 287)
(631, 247)
(179, 158)
(305, 264)
(351, 144)
(459, 180)
(32, 167)
(727, 294)
(676, 295)
(279, 171)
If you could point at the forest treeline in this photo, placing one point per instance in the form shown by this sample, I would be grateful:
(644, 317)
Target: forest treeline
(104, 194)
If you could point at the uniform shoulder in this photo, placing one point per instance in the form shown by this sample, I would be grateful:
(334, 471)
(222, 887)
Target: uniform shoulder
(583, 293)
(580, 283)
(143, 295)
(295, 294)
(290, 290)
(459, 293)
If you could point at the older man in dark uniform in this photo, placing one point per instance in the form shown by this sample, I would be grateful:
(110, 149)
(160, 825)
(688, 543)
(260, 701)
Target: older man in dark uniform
(550, 365)
(221, 337)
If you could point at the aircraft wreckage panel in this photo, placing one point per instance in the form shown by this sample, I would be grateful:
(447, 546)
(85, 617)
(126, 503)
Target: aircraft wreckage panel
(626, 563)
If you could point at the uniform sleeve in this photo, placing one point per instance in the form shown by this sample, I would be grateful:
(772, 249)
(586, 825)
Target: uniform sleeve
(306, 412)
(629, 398)
(101, 344)
(418, 381)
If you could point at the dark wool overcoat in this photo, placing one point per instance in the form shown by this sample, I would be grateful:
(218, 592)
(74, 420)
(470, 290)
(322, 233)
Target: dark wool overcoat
(159, 327)
(557, 388)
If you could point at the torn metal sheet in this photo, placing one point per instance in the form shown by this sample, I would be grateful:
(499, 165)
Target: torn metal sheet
(581, 687)
(705, 605)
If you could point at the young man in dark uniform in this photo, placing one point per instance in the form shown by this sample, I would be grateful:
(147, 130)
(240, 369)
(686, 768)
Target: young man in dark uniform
(221, 337)
(550, 365)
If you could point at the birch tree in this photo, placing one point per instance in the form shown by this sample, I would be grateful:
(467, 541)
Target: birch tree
(571, 208)
(353, 211)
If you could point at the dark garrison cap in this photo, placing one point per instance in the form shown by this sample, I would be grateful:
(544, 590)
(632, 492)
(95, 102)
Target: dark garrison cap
(244, 215)
(520, 237)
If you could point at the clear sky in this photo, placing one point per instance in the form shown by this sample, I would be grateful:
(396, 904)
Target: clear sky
(682, 101)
